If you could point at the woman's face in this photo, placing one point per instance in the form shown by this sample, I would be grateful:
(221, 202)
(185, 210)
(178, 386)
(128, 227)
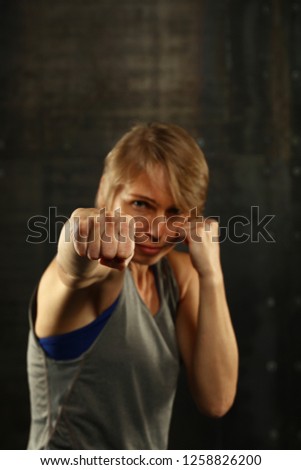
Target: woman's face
(148, 199)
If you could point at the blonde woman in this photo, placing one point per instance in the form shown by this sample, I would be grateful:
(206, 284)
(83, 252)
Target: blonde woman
(118, 308)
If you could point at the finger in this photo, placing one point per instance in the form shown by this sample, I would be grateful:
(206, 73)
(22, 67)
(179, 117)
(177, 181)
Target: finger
(212, 226)
(93, 243)
(215, 230)
(95, 231)
(109, 242)
(126, 243)
(79, 228)
(190, 229)
(116, 263)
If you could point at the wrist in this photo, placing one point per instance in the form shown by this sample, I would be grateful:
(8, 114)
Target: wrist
(211, 277)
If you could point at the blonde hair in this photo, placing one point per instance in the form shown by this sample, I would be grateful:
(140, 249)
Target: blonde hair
(143, 148)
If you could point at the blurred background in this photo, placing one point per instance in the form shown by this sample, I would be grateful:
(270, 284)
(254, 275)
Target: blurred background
(74, 76)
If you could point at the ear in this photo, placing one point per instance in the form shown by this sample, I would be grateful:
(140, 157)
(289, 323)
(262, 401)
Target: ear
(100, 200)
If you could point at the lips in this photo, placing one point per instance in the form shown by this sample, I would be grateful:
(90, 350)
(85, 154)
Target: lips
(150, 250)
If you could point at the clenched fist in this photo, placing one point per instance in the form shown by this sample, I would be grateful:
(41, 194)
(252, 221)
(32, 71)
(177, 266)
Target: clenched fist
(104, 236)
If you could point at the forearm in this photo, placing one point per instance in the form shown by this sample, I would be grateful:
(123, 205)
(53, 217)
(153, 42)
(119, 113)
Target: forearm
(215, 357)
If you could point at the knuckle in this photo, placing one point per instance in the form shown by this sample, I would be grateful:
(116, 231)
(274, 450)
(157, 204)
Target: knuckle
(124, 250)
(108, 250)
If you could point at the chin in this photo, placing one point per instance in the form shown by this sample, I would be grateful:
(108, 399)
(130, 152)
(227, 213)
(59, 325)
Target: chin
(149, 260)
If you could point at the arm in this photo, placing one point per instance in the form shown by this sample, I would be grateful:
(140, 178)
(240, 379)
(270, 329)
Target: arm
(204, 328)
(88, 250)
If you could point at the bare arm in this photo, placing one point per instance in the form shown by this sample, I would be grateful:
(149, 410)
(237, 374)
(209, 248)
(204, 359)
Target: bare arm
(89, 256)
(205, 332)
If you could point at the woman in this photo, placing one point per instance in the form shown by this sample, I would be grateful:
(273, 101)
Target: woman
(118, 307)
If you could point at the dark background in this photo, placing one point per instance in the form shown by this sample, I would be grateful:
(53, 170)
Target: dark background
(74, 76)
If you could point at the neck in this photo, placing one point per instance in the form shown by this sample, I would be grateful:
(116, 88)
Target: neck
(140, 273)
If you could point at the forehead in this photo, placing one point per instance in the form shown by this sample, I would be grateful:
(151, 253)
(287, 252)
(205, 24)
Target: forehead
(154, 185)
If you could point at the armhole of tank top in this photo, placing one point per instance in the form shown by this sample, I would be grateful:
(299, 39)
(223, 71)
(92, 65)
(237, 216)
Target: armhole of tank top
(72, 345)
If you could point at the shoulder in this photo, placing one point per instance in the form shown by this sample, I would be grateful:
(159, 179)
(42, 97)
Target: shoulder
(183, 270)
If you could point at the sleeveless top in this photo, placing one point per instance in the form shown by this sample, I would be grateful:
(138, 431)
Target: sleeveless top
(119, 393)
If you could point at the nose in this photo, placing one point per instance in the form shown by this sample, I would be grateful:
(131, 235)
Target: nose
(158, 228)
(150, 228)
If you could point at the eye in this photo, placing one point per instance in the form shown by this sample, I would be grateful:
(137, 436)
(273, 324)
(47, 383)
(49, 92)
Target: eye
(173, 211)
(140, 204)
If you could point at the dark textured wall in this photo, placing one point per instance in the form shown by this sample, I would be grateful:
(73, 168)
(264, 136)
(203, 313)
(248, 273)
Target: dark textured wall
(74, 76)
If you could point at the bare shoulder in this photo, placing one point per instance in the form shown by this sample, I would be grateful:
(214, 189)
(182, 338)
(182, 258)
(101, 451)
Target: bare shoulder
(183, 269)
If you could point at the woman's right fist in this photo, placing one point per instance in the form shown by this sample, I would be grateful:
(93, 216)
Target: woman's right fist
(104, 236)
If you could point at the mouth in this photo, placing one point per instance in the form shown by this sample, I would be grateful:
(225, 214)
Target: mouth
(149, 250)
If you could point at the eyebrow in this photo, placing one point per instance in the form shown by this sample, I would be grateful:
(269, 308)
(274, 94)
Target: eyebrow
(140, 196)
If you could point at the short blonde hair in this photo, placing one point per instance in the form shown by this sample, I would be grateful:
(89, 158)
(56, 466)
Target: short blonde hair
(147, 145)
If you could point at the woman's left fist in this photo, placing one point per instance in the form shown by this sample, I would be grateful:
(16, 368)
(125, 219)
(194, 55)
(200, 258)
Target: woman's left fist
(202, 238)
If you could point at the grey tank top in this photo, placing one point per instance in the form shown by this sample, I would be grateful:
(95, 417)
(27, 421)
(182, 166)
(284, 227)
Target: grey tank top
(119, 394)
